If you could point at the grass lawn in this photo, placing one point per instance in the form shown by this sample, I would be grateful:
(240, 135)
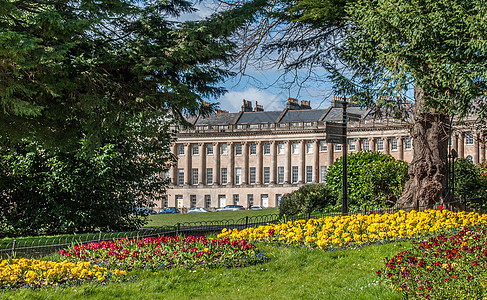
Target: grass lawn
(291, 273)
(170, 220)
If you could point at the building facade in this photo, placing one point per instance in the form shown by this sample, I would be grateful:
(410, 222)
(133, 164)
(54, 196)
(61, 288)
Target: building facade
(254, 157)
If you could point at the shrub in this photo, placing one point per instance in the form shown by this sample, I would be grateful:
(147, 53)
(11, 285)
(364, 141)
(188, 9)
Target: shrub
(306, 199)
(374, 179)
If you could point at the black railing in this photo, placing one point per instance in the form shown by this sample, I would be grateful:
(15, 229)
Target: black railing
(42, 246)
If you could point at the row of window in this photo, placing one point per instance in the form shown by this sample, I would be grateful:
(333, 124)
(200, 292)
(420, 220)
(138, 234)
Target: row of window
(222, 201)
(252, 175)
(295, 147)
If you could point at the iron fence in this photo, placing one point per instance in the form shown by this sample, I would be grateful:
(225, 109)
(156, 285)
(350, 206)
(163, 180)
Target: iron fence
(42, 246)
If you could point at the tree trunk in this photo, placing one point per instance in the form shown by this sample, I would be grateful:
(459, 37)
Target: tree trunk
(427, 171)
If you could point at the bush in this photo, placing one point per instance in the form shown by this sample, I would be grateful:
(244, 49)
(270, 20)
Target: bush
(374, 179)
(471, 183)
(306, 199)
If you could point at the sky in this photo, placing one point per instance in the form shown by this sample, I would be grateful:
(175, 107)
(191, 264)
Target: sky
(262, 86)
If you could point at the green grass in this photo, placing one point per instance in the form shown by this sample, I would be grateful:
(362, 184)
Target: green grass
(291, 273)
(170, 220)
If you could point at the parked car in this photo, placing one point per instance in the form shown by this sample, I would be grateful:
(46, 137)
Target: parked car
(231, 208)
(144, 211)
(197, 210)
(256, 207)
(169, 210)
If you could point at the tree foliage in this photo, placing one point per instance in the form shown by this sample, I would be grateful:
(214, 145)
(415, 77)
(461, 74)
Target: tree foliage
(78, 71)
(374, 179)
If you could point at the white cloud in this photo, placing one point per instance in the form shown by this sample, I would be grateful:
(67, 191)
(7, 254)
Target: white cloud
(232, 101)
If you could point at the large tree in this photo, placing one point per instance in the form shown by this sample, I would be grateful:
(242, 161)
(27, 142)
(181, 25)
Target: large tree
(75, 72)
(377, 48)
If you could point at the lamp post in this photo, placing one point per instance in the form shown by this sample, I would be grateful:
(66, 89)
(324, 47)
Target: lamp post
(344, 167)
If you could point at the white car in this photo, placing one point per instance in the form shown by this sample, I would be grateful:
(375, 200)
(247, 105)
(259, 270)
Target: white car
(231, 208)
(197, 210)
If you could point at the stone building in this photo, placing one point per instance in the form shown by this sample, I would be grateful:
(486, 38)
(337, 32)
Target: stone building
(256, 156)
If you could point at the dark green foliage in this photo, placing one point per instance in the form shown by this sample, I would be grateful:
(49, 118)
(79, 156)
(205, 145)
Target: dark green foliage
(375, 180)
(471, 184)
(76, 72)
(46, 192)
(306, 199)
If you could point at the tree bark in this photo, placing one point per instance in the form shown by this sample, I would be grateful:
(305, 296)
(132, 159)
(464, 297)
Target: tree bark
(427, 171)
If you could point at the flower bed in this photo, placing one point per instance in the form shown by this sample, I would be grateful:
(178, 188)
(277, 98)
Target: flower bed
(15, 273)
(443, 267)
(166, 252)
(330, 232)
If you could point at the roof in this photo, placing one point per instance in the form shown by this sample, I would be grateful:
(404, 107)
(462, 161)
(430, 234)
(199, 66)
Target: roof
(306, 115)
(259, 117)
(218, 119)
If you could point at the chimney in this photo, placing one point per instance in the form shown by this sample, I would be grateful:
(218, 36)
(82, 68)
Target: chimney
(337, 101)
(221, 111)
(305, 104)
(246, 105)
(292, 103)
(258, 107)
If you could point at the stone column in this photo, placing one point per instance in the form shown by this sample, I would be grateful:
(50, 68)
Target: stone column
(231, 164)
(245, 168)
(454, 143)
(216, 157)
(372, 144)
(273, 162)
(173, 173)
(331, 150)
(476, 149)
(258, 171)
(482, 149)
(358, 145)
(202, 167)
(386, 146)
(287, 164)
(302, 161)
(400, 148)
(187, 164)
(316, 161)
(461, 146)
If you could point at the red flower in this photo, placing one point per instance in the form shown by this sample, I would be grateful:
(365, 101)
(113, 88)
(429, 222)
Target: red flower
(441, 207)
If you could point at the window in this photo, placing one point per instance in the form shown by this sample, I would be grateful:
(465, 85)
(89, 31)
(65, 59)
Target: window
(224, 149)
(250, 199)
(309, 147)
(238, 175)
(323, 173)
(165, 175)
(468, 139)
(209, 149)
(195, 176)
(295, 174)
(309, 174)
(380, 144)
(338, 147)
(181, 149)
(267, 148)
(253, 149)
(407, 143)
(295, 147)
(238, 149)
(322, 146)
(235, 199)
(224, 175)
(164, 201)
(394, 144)
(180, 176)
(280, 148)
(267, 174)
(195, 149)
(278, 199)
(209, 176)
(193, 200)
(351, 145)
(252, 175)
(207, 201)
(280, 175)
(365, 145)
